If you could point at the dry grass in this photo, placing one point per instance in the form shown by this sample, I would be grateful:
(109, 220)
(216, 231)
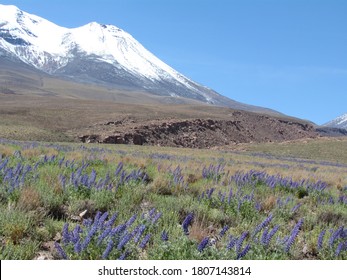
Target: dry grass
(29, 199)
(198, 231)
(269, 203)
(6, 150)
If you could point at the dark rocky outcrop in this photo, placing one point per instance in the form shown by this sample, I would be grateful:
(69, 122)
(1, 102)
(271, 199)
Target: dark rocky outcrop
(242, 127)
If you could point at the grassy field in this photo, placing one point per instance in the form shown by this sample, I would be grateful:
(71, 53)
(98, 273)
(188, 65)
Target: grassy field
(63, 119)
(329, 149)
(264, 201)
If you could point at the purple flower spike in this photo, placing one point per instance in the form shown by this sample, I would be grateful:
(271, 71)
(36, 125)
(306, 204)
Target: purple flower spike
(89, 237)
(342, 246)
(263, 224)
(296, 207)
(104, 234)
(203, 244)
(124, 241)
(144, 241)
(320, 239)
(78, 247)
(102, 219)
(244, 252)
(239, 242)
(111, 221)
(131, 221)
(108, 250)
(264, 236)
(66, 234)
(232, 242)
(139, 233)
(124, 255)
(335, 235)
(293, 235)
(187, 222)
(271, 234)
(61, 251)
(156, 218)
(164, 235)
(223, 231)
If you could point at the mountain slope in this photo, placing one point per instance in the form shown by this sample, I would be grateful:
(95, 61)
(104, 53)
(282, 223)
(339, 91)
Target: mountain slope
(98, 54)
(339, 122)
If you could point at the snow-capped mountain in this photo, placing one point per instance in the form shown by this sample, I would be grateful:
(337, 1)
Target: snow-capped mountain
(99, 54)
(339, 122)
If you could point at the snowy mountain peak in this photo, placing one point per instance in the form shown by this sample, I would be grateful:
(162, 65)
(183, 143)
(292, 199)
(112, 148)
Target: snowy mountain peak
(49, 47)
(99, 54)
(339, 122)
(7, 11)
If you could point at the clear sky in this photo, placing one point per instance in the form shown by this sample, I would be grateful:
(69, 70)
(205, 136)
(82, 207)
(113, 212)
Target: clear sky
(288, 55)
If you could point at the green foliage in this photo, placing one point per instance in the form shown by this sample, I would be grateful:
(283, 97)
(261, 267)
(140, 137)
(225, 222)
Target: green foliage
(15, 225)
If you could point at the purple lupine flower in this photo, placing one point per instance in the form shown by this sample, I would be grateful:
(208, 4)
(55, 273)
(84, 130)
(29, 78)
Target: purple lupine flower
(151, 213)
(104, 234)
(118, 229)
(244, 252)
(210, 192)
(89, 237)
(232, 242)
(135, 230)
(239, 204)
(126, 238)
(230, 195)
(87, 222)
(335, 235)
(271, 234)
(92, 179)
(66, 234)
(111, 221)
(203, 244)
(124, 255)
(264, 236)
(239, 242)
(164, 235)
(60, 251)
(187, 222)
(342, 246)
(119, 169)
(224, 230)
(343, 234)
(61, 162)
(96, 218)
(75, 235)
(320, 239)
(257, 206)
(131, 221)
(222, 197)
(293, 235)
(78, 247)
(108, 249)
(296, 207)
(156, 218)
(102, 219)
(144, 241)
(139, 233)
(263, 224)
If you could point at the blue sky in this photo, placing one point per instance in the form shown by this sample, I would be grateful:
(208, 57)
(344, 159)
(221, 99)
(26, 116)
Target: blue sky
(288, 55)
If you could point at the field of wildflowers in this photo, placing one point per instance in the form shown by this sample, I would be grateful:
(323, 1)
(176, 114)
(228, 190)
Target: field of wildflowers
(70, 201)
